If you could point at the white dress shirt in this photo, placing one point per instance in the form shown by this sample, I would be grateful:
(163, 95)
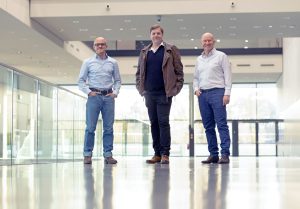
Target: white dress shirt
(212, 71)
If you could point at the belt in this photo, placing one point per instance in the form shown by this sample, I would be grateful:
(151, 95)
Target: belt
(208, 90)
(102, 92)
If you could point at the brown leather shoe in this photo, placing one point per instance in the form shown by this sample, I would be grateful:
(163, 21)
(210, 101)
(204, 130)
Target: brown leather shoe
(87, 160)
(110, 160)
(224, 160)
(211, 159)
(154, 159)
(165, 159)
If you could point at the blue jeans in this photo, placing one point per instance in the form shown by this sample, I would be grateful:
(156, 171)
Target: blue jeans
(214, 112)
(95, 105)
(159, 107)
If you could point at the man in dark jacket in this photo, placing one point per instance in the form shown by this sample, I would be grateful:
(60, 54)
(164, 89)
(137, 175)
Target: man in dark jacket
(159, 77)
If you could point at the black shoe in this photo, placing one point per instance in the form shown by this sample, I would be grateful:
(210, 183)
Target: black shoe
(211, 159)
(224, 160)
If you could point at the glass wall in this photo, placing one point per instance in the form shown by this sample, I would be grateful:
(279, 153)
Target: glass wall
(249, 103)
(39, 121)
(47, 122)
(42, 122)
(24, 105)
(5, 115)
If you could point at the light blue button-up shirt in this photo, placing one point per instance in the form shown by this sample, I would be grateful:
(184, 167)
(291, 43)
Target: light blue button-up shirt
(100, 74)
(213, 71)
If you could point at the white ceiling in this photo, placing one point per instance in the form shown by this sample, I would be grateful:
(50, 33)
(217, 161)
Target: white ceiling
(260, 29)
(30, 51)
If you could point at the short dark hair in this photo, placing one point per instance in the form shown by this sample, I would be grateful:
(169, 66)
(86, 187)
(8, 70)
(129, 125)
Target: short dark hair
(153, 27)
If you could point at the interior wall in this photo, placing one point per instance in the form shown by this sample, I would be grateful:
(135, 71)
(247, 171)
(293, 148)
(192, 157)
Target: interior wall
(245, 68)
(289, 85)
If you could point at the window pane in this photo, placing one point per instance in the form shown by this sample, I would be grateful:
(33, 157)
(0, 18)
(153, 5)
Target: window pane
(5, 115)
(24, 119)
(247, 134)
(65, 124)
(267, 139)
(267, 103)
(242, 102)
(79, 126)
(47, 123)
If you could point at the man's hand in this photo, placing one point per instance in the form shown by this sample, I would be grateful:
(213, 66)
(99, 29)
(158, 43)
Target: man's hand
(197, 92)
(111, 95)
(92, 93)
(226, 100)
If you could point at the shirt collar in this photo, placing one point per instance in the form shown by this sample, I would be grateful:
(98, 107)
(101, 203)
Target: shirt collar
(98, 57)
(210, 53)
(152, 49)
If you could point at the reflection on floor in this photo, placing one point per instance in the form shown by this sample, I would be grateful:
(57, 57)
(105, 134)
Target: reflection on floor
(246, 183)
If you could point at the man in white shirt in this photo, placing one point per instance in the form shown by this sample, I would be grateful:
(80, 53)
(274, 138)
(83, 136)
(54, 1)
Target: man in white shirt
(212, 86)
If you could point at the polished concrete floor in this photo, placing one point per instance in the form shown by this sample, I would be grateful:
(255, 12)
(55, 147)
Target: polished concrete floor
(246, 183)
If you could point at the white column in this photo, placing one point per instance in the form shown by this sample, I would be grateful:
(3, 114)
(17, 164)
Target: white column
(289, 86)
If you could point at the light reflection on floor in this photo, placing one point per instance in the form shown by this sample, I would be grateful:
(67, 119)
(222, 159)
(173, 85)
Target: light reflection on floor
(247, 183)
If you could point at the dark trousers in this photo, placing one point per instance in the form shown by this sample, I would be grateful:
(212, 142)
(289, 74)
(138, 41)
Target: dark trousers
(159, 107)
(213, 113)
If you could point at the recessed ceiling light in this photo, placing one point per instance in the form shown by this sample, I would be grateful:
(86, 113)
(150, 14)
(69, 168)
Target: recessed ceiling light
(246, 41)
(107, 29)
(132, 28)
(121, 29)
(192, 39)
(270, 26)
(75, 21)
(195, 47)
(233, 18)
(127, 21)
(203, 27)
(139, 36)
(245, 47)
(218, 40)
(257, 26)
(292, 26)
(19, 52)
(286, 18)
(83, 29)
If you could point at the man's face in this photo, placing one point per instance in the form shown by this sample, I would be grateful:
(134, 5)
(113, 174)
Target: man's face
(156, 36)
(208, 42)
(100, 46)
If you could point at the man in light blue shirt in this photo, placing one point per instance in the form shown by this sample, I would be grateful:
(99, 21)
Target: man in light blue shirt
(212, 86)
(100, 79)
